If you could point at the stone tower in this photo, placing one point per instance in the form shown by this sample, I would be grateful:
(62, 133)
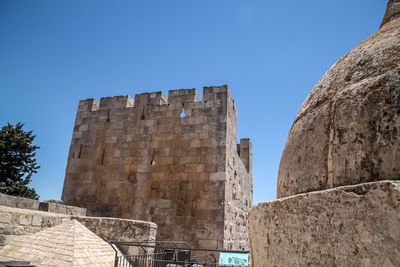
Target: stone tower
(174, 163)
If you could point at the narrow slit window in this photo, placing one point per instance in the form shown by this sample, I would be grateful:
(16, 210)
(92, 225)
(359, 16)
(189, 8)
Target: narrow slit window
(108, 116)
(80, 152)
(152, 161)
(102, 157)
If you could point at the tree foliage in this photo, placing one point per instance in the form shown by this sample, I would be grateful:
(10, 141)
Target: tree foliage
(17, 161)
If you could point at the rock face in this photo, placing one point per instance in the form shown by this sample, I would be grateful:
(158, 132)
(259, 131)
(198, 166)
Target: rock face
(345, 226)
(348, 129)
(392, 11)
(345, 141)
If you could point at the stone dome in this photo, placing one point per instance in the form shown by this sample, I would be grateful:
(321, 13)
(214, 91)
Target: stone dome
(348, 128)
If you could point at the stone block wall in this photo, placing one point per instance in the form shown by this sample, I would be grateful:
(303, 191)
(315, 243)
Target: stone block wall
(166, 162)
(15, 221)
(18, 202)
(32, 204)
(356, 225)
(238, 187)
(61, 208)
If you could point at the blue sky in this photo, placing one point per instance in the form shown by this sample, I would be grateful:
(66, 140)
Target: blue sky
(270, 53)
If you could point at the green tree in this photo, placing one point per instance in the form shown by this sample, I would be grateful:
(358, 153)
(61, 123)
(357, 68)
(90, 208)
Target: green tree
(17, 161)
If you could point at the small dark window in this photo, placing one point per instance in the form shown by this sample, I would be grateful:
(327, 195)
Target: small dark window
(142, 117)
(108, 116)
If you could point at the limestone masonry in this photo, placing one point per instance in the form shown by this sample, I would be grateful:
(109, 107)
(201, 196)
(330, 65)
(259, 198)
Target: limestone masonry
(355, 225)
(22, 216)
(338, 180)
(67, 244)
(348, 129)
(174, 163)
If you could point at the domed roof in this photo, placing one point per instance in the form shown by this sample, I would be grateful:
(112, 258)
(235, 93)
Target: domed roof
(348, 129)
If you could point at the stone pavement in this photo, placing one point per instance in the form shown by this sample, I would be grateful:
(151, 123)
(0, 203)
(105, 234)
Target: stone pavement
(67, 244)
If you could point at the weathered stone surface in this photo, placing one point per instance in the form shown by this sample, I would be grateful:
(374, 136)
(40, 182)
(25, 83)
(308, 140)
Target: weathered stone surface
(63, 209)
(32, 204)
(392, 11)
(345, 226)
(18, 202)
(348, 129)
(145, 161)
(67, 244)
(14, 222)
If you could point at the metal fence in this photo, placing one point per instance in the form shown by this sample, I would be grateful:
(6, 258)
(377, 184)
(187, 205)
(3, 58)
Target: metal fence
(158, 260)
(168, 254)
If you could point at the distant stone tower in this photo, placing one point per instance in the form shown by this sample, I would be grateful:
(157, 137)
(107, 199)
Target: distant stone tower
(176, 164)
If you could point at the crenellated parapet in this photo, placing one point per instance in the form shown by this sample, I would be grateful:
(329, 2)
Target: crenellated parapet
(179, 96)
(181, 103)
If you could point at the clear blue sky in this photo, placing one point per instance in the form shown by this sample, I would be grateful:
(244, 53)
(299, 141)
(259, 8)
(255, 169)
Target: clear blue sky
(270, 53)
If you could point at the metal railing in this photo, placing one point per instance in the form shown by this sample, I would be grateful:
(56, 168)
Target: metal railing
(156, 260)
(167, 254)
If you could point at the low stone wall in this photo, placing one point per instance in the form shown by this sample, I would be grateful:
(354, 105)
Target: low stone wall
(119, 229)
(15, 221)
(32, 204)
(346, 226)
(18, 202)
(61, 208)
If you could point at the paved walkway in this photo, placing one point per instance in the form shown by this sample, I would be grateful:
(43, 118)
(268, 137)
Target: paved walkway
(68, 244)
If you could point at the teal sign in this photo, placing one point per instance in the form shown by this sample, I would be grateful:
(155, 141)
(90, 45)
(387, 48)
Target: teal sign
(233, 259)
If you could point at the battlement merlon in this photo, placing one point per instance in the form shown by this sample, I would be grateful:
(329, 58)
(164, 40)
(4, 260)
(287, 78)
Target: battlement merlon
(216, 92)
(246, 153)
(88, 105)
(183, 96)
(116, 102)
(155, 98)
